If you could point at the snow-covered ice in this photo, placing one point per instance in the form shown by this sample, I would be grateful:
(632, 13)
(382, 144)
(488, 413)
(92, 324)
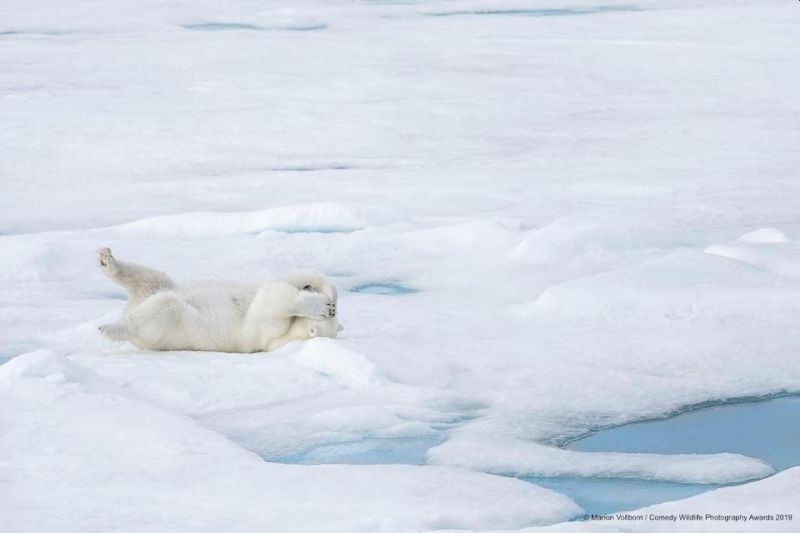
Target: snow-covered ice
(543, 219)
(96, 459)
(514, 457)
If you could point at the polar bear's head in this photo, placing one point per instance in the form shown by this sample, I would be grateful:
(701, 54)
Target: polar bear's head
(307, 328)
(328, 327)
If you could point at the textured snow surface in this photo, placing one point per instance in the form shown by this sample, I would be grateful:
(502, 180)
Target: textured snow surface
(591, 209)
(514, 457)
(74, 434)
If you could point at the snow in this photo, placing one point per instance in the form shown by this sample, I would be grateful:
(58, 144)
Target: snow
(684, 285)
(594, 207)
(343, 366)
(159, 469)
(764, 236)
(522, 458)
(319, 218)
(765, 249)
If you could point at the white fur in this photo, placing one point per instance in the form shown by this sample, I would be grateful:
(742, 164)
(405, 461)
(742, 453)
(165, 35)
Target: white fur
(219, 316)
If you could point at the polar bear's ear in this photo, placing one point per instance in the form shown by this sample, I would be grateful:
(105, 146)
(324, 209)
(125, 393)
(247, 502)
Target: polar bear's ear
(340, 327)
(312, 331)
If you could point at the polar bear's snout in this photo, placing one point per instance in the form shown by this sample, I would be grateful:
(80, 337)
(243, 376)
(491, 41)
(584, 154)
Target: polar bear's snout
(328, 327)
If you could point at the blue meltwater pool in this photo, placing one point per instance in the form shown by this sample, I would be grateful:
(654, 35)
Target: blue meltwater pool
(763, 429)
(387, 289)
(766, 429)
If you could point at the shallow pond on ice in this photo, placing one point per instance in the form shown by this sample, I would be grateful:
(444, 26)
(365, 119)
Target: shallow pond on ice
(386, 289)
(368, 451)
(764, 429)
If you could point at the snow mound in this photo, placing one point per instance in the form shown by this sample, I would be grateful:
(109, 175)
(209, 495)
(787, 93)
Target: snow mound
(607, 236)
(462, 234)
(329, 358)
(767, 249)
(684, 285)
(321, 217)
(764, 236)
(26, 260)
(518, 458)
(47, 365)
(554, 241)
(290, 18)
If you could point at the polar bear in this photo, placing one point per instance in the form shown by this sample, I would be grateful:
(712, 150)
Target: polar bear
(218, 316)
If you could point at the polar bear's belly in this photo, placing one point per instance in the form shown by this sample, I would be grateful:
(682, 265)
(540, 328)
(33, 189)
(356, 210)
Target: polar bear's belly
(215, 321)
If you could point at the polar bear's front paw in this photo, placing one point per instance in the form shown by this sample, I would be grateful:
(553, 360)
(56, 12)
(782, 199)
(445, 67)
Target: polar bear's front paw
(106, 259)
(316, 306)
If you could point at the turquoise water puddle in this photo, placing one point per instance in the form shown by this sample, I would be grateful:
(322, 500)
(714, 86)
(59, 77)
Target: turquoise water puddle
(387, 289)
(239, 26)
(542, 12)
(319, 229)
(606, 496)
(44, 33)
(766, 429)
(114, 295)
(311, 168)
(222, 26)
(370, 450)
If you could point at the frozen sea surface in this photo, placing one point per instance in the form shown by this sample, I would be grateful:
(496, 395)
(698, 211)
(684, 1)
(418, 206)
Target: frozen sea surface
(597, 209)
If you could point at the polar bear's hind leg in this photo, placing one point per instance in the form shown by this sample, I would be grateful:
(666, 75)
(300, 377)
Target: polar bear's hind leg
(163, 321)
(138, 281)
(114, 332)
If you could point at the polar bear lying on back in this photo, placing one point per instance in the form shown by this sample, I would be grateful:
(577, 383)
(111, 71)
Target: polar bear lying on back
(218, 316)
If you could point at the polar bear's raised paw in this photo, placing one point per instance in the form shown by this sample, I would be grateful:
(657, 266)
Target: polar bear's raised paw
(106, 258)
(315, 305)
